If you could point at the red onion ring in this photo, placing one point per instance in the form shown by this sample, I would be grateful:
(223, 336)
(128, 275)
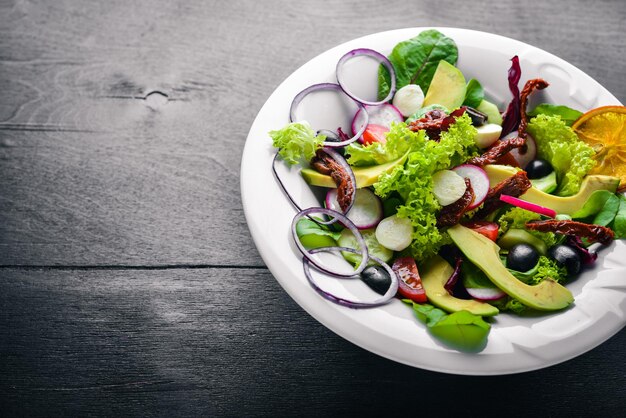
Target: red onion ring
(370, 53)
(338, 216)
(327, 86)
(282, 185)
(389, 294)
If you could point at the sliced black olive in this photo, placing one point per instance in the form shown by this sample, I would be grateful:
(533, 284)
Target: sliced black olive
(538, 168)
(478, 118)
(522, 257)
(377, 278)
(566, 256)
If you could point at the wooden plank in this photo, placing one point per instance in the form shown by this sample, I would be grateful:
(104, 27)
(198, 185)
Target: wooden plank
(95, 174)
(231, 342)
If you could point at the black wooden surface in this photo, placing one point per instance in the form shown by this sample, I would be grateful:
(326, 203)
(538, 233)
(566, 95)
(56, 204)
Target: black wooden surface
(129, 284)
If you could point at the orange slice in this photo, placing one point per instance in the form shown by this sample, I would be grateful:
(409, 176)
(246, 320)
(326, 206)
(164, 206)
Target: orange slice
(604, 129)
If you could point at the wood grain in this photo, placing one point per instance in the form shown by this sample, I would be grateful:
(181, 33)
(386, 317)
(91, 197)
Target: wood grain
(95, 174)
(231, 342)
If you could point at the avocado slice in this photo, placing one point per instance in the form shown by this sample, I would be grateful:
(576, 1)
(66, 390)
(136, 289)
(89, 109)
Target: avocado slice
(365, 176)
(568, 204)
(435, 272)
(484, 253)
(492, 112)
(447, 87)
(515, 236)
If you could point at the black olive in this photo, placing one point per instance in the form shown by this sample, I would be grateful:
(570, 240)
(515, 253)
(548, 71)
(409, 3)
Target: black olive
(538, 168)
(522, 257)
(566, 256)
(377, 278)
(478, 118)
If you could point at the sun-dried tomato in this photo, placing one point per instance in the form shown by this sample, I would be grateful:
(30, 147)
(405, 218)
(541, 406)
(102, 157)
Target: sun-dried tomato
(325, 164)
(589, 231)
(513, 186)
(451, 214)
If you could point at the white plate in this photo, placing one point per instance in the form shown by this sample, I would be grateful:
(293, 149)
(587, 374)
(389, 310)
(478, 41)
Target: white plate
(515, 344)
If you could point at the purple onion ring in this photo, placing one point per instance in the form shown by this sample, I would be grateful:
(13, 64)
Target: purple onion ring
(370, 53)
(327, 86)
(389, 294)
(338, 216)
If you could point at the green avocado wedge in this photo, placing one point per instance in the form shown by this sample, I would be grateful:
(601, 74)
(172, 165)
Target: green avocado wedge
(365, 176)
(567, 205)
(447, 87)
(435, 272)
(480, 250)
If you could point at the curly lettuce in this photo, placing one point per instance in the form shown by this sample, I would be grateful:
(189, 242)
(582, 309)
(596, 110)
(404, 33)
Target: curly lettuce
(296, 141)
(516, 218)
(413, 181)
(399, 141)
(571, 158)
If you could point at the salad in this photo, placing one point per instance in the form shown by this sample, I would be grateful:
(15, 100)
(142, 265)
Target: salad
(436, 197)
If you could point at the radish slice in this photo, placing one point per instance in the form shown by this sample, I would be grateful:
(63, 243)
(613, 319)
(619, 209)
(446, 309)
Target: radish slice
(372, 54)
(542, 210)
(395, 233)
(366, 212)
(383, 115)
(448, 187)
(531, 150)
(484, 294)
(478, 179)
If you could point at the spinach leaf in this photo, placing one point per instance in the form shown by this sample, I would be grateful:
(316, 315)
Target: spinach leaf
(594, 204)
(460, 330)
(608, 212)
(567, 114)
(619, 223)
(474, 94)
(416, 60)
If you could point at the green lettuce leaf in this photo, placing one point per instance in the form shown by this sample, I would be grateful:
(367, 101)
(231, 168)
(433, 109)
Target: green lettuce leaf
(516, 218)
(567, 114)
(296, 141)
(399, 141)
(416, 59)
(413, 181)
(619, 223)
(557, 143)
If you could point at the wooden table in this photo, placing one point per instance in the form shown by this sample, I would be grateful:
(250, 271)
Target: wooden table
(129, 283)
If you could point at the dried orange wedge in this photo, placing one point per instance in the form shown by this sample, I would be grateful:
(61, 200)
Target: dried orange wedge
(604, 129)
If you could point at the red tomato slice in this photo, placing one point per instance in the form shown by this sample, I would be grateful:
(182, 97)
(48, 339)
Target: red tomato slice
(374, 133)
(486, 228)
(409, 281)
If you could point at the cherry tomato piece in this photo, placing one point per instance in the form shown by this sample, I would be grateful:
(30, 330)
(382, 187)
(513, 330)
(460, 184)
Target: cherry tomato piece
(374, 133)
(486, 228)
(409, 281)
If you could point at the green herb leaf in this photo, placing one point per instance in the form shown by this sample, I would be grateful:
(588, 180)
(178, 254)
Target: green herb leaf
(619, 223)
(474, 94)
(416, 59)
(567, 114)
(608, 212)
(460, 330)
(593, 205)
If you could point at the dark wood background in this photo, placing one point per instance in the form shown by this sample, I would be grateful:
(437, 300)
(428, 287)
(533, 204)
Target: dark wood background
(129, 283)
